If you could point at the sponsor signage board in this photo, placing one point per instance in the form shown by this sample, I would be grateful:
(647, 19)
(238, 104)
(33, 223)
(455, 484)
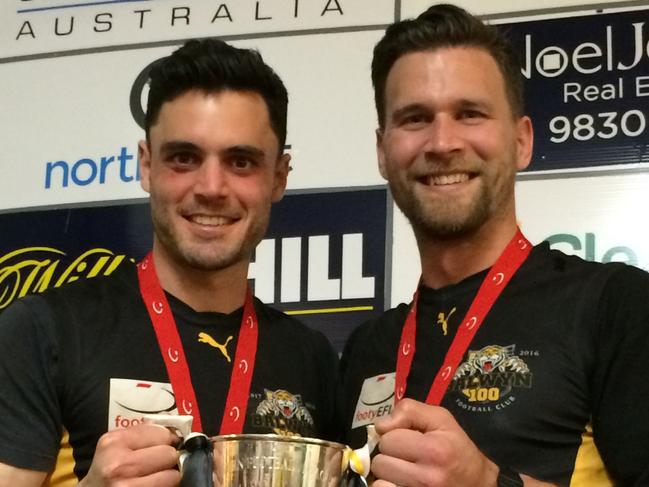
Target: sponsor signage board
(412, 8)
(323, 258)
(38, 27)
(587, 89)
(596, 218)
(71, 124)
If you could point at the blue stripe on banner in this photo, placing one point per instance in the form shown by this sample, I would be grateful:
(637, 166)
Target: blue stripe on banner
(74, 5)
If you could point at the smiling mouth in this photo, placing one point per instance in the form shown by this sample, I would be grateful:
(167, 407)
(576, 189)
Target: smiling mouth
(445, 179)
(210, 220)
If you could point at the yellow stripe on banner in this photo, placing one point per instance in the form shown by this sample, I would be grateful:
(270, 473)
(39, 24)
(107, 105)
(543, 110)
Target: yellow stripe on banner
(589, 467)
(63, 474)
(329, 310)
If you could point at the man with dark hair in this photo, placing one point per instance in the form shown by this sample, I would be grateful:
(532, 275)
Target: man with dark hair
(514, 364)
(211, 65)
(181, 331)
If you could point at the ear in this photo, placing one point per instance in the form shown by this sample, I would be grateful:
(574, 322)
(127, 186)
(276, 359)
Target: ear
(144, 158)
(280, 176)
(380, 153)
(524, 142)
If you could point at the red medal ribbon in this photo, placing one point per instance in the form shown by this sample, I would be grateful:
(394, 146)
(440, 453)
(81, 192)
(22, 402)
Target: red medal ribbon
(497, 279)
(173, 353)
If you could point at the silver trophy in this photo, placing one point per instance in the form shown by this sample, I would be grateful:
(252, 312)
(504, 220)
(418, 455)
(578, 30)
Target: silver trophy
(264, 460)
(278, 461)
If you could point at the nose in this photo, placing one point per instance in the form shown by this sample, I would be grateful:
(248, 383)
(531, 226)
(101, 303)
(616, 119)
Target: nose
(443, 136)
(211, 180)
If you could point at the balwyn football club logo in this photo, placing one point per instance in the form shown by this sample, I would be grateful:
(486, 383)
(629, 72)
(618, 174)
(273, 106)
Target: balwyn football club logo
(489, 374)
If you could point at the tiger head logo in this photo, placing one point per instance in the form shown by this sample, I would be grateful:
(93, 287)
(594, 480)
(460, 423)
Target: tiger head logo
(283, 403)
(490, 359)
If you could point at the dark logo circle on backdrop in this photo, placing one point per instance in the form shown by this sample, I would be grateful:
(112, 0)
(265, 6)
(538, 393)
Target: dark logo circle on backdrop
(135, 99)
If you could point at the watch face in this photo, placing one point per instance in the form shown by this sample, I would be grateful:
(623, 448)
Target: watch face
(508, 478)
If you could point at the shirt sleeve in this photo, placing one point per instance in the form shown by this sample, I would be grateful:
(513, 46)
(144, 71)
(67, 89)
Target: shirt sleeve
(620, 385)
(30, 419)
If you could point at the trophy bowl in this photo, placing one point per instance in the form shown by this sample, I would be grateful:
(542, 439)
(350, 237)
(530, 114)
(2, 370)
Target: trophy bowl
(267, 460)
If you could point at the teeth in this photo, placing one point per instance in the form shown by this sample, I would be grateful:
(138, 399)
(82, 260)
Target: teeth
(214, 221)
(449, 179)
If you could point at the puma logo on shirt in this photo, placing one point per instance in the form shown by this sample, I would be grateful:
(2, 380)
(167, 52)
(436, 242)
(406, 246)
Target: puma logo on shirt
(205, 338)
(442, 320)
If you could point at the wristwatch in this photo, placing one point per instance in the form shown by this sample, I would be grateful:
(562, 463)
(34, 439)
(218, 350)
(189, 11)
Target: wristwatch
(508, 478)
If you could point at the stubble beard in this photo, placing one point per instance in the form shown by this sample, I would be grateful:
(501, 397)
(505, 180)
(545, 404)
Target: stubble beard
(204, 256)
(450, 219)
(445, 219)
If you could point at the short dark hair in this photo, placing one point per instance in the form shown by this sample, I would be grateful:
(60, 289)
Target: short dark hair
(211, 65)
(445, 25)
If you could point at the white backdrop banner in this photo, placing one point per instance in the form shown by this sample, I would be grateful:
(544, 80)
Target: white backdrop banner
(45, 26)
(69, 106)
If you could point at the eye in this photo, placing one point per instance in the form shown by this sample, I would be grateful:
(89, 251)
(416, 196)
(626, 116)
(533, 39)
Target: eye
(469, 114)
(414, 120)
(183, 159)
(241, 163)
